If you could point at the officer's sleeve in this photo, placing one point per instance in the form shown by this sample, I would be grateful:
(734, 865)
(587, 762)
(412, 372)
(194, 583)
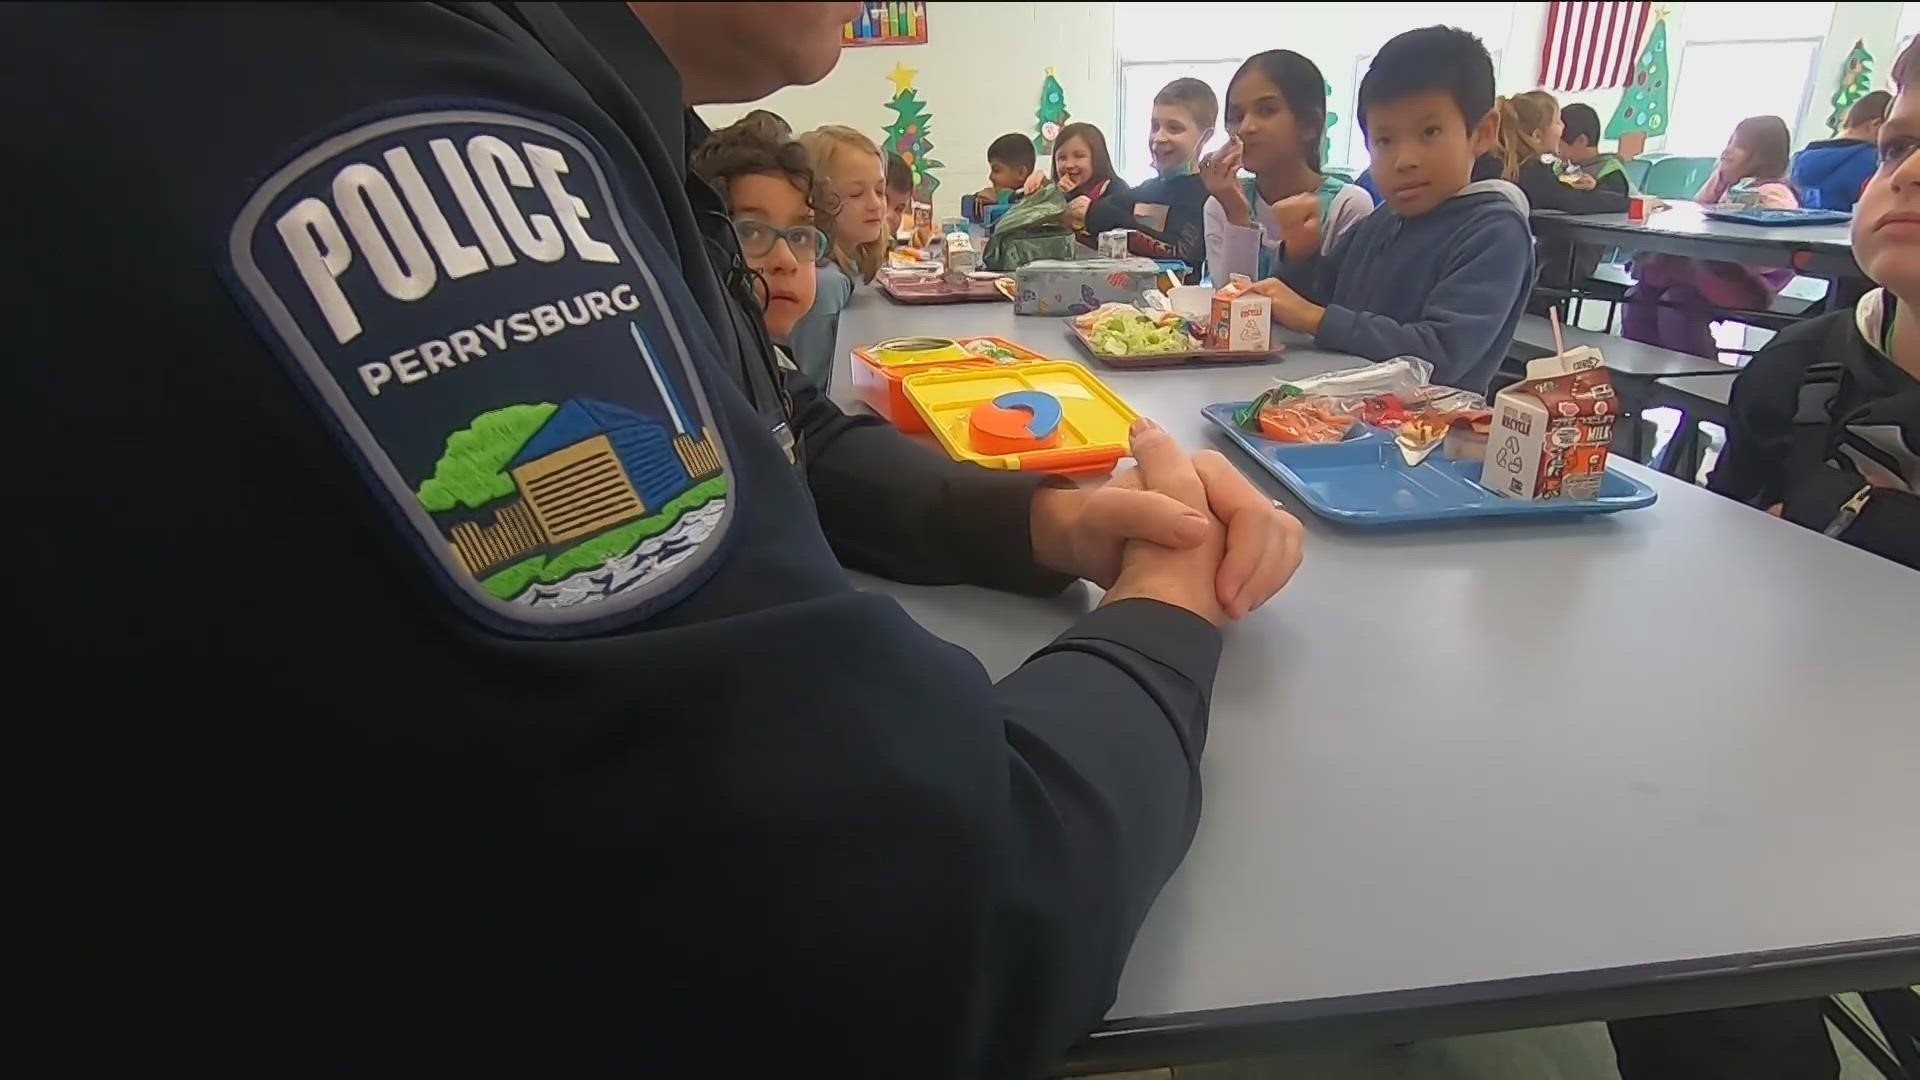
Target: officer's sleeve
(896, 507)
(1105, 728)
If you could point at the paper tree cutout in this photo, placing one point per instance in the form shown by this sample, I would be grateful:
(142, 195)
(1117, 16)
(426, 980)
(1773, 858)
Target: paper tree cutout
(909, 137)
(1643, 105)
(1052, 115)
(1326, 129)
(1856, 78)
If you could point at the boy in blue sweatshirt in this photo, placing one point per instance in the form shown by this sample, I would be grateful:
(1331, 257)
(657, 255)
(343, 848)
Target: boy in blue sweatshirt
(1829, 173)
(1441, 271)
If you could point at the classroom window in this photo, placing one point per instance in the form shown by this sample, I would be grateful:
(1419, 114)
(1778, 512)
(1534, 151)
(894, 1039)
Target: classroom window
(1138, 83)
(1725, 44)
(1705, 109)
(1909, 26)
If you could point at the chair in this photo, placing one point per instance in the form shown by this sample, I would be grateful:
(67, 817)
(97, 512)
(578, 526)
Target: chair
(1636, 171)
(1677, 177)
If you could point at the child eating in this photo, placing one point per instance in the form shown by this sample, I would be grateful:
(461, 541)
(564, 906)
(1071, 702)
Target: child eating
(1010, 162)
(1084, 170)
(772, 198)
(1442, 270)
(1276, 115)
(1673, 303)
(1169, 211)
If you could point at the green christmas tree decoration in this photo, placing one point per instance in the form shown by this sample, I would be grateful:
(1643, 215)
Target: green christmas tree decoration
(1326, 129)
(909, 137)
(1052, 115)
(1643, 105)
(1856, 78)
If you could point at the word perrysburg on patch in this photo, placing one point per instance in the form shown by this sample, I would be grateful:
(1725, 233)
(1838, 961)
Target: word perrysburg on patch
(465, 292)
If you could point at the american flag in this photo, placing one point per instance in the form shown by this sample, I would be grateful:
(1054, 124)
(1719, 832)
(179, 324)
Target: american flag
(1591, 44)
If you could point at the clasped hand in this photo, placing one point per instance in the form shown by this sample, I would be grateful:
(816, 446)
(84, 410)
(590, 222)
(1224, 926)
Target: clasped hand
(1186, 531)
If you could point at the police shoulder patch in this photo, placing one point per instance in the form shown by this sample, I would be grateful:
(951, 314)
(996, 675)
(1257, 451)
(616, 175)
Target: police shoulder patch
(461, 292)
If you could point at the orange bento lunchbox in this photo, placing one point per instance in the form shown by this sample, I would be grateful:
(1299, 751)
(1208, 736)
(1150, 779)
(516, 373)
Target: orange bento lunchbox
(878, 370)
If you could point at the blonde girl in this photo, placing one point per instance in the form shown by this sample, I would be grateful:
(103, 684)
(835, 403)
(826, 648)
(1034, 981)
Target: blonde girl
(856, 174)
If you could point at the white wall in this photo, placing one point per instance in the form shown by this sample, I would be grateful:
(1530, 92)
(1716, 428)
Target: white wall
(980, 76)
(981, 70)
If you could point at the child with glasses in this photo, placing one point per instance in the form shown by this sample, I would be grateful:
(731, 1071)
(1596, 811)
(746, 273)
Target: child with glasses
(773, 198)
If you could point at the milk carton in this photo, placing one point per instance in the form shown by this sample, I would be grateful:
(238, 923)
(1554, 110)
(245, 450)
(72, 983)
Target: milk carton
(958, 257)
(1242, 321)
(1549, 435)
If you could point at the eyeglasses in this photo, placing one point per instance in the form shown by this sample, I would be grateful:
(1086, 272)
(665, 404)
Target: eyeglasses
(807, 243)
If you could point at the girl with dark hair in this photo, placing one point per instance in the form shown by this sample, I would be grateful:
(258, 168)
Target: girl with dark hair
(1277, 116)
(1674, 302)
(1084, 170)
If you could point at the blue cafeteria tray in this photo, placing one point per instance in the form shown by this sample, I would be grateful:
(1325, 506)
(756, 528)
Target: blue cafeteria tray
(1774, 217)
(1364, 482)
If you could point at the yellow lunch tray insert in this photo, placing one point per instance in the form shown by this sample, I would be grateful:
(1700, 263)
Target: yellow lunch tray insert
(1047, 417)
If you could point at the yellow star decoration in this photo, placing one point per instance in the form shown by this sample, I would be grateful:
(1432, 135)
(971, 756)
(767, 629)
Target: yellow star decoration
(902, 78)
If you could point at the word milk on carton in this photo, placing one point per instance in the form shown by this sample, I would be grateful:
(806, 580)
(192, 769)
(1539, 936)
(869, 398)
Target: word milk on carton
(1550, 430)
(1241, 320)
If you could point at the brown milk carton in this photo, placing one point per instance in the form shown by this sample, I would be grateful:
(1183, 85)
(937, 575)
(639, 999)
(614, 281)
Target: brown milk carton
(1241, 321)
(1550, 431)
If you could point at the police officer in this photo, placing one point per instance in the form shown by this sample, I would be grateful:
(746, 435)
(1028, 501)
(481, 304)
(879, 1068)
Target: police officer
(454, 671)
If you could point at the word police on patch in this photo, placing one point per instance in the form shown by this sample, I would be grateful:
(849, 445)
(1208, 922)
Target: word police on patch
(463, 293)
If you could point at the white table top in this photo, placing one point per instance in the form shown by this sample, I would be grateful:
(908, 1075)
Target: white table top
(1450, 756)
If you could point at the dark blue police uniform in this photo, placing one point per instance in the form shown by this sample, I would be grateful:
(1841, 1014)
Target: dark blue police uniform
(455, 666)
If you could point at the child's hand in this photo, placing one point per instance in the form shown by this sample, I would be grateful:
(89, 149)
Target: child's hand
(1034, 182)
(1290, 309)
(1220, 172)
(1583, 182)
(1299, 219)
(987, 195)
(1077, 213)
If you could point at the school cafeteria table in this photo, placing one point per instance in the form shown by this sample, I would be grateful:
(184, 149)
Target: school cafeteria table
(1475, 778)
(1824, 251)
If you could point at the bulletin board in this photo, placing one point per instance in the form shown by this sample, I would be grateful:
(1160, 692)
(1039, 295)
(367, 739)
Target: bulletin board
(887, 22)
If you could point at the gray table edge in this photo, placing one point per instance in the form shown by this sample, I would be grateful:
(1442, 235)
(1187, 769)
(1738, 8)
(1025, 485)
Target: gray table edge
(1498, 1005)
(1823, 258)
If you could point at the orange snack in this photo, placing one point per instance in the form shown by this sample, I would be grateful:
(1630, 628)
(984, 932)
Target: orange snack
(1304, 420)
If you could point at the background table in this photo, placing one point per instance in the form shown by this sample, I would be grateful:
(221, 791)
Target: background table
(1684, 229)
(1476, 778)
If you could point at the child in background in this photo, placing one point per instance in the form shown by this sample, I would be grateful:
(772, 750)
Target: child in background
(1442, 270)
(1580, 148)
(1010, 164)
(770, 193)
(1084, 170)
(1829, 173)
(849, 165)
(1168, 212)
(1276, 115)
(899, 196)
(1532, 126)
(1673, 301)
(1823, 430)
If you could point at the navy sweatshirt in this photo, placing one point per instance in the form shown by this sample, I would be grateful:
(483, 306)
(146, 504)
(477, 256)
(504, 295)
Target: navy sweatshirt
(1167, 215)
(1830, 173)
(1447, 286)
